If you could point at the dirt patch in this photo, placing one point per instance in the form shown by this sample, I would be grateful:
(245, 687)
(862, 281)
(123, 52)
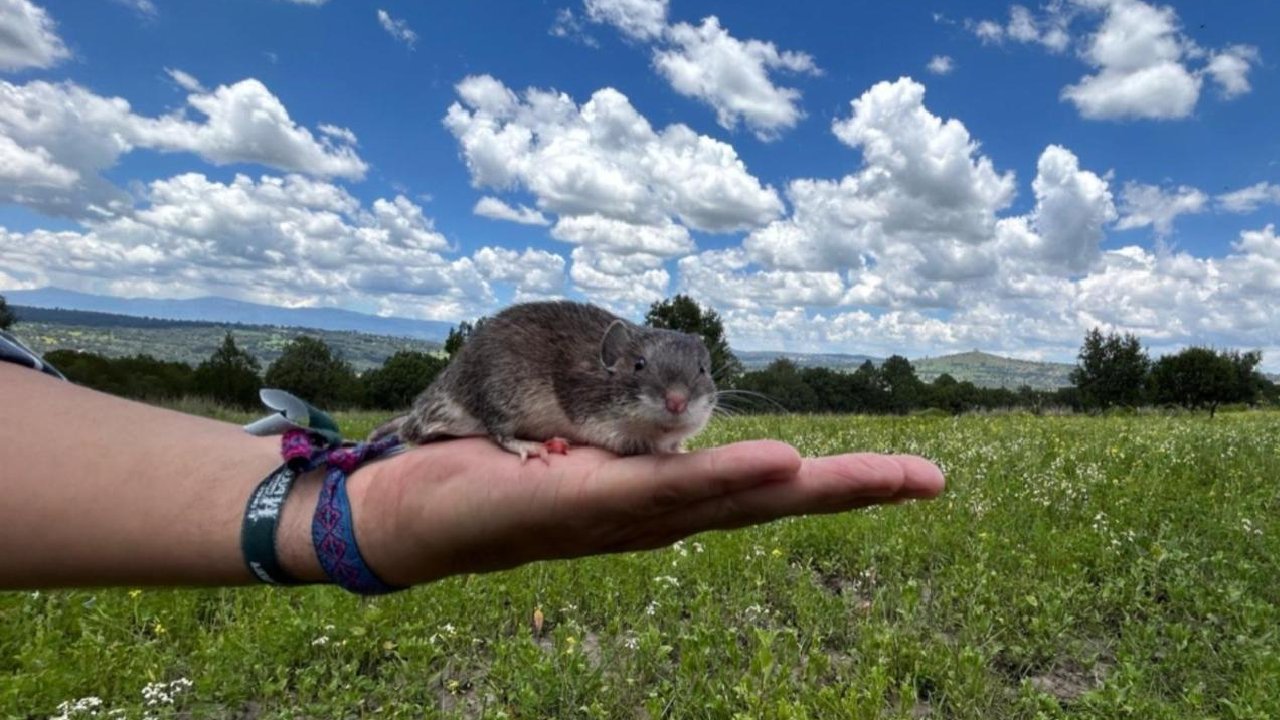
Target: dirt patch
(1070, 681)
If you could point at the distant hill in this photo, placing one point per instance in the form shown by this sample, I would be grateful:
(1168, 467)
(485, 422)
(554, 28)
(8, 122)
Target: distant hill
(987, 370)
(189, 330)
(223, 310)
(191, 341)
(758, 359)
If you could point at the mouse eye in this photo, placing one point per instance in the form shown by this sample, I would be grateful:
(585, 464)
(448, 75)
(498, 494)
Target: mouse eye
(702, 370)
(640, 363)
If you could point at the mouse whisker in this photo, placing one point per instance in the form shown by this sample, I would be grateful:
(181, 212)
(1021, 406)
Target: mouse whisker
(751, 394)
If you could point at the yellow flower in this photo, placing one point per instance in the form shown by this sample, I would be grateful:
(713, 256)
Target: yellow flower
(453, 686)
(776, 552)
(135, 594)
(159, 628)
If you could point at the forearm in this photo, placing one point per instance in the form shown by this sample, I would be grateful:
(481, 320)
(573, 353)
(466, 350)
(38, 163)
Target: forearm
(98, 490)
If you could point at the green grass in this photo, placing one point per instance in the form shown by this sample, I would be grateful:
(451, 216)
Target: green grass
(1077, 567)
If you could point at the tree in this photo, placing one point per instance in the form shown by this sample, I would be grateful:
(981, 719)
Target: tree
(229, 376)
(1111, 370)
(904, 387)
(307, 368)
(1202, 378)
(684, 314)
(781, 384)
(401, 379)
(458, 336)
(7, 318)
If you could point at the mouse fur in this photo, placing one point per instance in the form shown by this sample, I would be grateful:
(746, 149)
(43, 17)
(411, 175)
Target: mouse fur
(541, 371)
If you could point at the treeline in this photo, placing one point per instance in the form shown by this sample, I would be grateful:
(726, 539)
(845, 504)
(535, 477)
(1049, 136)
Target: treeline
(231, 376)
(891, 388)
(1111, 371)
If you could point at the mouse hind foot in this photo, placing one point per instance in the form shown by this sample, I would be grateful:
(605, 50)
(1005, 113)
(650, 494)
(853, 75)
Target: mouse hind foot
(542, 450)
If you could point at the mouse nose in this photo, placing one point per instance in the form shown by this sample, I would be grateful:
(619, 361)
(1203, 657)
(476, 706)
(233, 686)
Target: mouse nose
(676, 402)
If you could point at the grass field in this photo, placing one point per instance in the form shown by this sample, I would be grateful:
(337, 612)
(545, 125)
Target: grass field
(1076, 567)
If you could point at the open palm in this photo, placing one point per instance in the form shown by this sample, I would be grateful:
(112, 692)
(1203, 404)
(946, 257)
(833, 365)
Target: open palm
(467, 506)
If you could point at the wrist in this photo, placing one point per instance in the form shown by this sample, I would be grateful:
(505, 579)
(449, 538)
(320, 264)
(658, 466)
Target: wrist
(379, 524)
(294, 548)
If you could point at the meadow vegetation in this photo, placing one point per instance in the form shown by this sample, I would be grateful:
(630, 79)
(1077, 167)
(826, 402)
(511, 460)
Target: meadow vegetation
(1093, 567)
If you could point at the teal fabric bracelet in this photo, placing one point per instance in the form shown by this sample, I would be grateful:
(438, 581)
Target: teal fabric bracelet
(258, 532)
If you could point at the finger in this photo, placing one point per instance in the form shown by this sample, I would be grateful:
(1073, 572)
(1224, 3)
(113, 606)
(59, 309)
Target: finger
(657, 484)
(823, 485)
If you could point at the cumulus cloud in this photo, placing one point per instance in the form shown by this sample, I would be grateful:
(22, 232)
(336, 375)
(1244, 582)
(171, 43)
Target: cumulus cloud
(1246, 200)
(941, 65)
(705, 62)
(1156, 207)
(1230, 69)
(535, 274)
(64, 125)
(1145, 67)
(1050, 30)
(733, 76)
(637, 19)
(603, 158)
(283, 240)
(28, 37)
(398, 29)
(492, 207)
(625, 283)
(924, 202)
(622, 191)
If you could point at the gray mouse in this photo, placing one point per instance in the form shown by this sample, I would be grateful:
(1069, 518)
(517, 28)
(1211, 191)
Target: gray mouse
(538, 377)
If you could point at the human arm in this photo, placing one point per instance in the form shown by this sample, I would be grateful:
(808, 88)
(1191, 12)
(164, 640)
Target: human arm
(106, 491)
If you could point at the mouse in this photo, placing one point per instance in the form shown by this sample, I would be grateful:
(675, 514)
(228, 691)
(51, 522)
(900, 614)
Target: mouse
(539, 377)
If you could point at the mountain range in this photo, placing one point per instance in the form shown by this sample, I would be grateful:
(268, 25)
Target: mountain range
(224, 310)
(147, 325)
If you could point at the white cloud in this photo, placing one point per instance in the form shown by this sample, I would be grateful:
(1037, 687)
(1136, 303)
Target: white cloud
(1145, 67)
(619, 188)
(941, 65)
(535, 274)
(625, 283)
(185, 80)
(145, 8)
(32, 168)
(1150, 205)
(603, 158)
(726, 279)
(1050, 30)
(71, 127)
(623, 238)
(733, 76)
(340, 134)
(1061, 235)
(1138, 52)
(1230, 69)
(1247, 199)
(637, 19)
(708, 64)
(568, 26)
(28, 37)
(492, 207)
(398, 29)
(925, 202)
(284, 240)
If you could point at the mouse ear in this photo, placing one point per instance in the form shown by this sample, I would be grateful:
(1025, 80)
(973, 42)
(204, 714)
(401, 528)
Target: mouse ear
(614, 343)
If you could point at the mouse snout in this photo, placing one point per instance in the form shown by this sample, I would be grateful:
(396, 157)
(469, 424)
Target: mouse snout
(677, 401)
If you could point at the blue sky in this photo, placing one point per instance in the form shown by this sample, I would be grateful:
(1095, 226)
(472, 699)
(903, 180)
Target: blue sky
(866, 177)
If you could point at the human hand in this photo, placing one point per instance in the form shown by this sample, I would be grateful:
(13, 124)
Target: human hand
(467, 506)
